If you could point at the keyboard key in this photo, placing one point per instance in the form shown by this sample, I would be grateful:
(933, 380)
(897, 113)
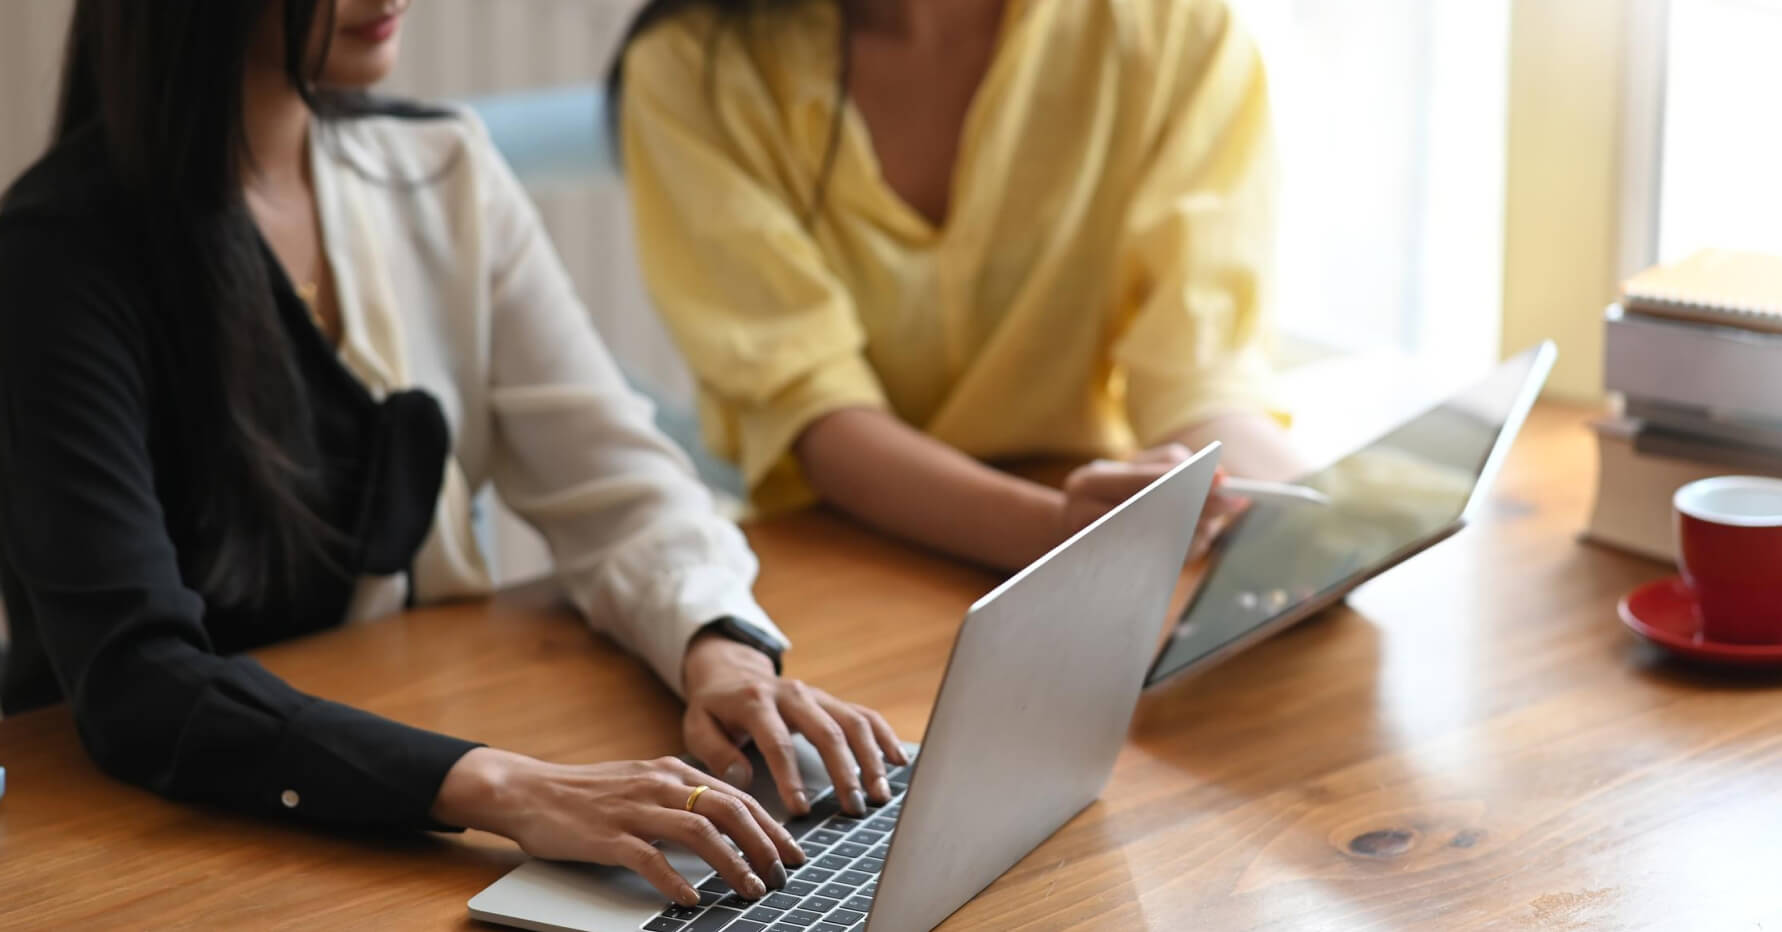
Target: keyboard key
(716, 885)
(847, 917)
(824, 836)
(802, 917)
(898, 773)
(800, 887)
(870, 890)
(814, 874)
(882, 852)
(836, 891)
(830, 927)
(898, 786)
(707, 898)
(735, 901)
(864, 837)
(782, 927)
(881, 823)
(715, 919)
(764, 915)
(849, 850)
(821, 809)
(859, 904)
(744, 925)
(853, 878)
(780, 901)
(870, 865)
(661, 924)
(820, 904)
(812, 852)
(680, 913)
(830, 862)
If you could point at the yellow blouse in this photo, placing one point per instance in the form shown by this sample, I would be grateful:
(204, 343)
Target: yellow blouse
(1098, 284)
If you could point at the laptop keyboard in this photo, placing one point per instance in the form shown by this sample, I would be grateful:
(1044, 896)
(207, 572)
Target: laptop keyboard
(832, 892)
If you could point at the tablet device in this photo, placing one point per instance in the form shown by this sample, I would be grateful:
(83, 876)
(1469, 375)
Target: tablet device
(1282, 562)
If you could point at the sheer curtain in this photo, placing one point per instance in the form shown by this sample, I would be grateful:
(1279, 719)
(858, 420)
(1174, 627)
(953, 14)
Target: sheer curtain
(1391, 120)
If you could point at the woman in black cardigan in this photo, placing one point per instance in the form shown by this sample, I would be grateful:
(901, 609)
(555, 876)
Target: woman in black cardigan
(260, 338)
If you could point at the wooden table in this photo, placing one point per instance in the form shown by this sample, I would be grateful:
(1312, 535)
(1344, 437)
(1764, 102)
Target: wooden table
(1473, 743)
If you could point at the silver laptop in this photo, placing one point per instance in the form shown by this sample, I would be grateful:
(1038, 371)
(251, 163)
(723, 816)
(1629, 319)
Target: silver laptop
(1391, 499)
(1035, 705)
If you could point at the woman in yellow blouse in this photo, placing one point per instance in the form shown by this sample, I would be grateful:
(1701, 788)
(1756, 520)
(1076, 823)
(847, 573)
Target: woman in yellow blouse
(899, 240)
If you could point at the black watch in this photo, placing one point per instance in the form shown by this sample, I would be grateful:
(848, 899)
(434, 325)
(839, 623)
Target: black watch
(742, 632)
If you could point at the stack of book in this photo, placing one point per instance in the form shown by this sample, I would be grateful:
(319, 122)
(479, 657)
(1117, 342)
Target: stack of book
(1695, 351)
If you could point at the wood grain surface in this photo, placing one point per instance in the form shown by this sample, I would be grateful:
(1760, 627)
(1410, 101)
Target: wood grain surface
(1473, 742)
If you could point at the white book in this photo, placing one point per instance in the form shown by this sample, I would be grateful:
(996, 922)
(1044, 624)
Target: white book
(1634, 490)
(1726, 369)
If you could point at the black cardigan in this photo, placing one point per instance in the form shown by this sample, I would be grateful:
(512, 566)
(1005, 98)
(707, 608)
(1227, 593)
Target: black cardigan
(93, 526)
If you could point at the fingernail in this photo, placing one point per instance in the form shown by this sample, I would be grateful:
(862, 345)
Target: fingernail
(753, 888)
(776, 878)
(881, 789)
(800, 805)
(856, 802)
(688, 896)
(737, 774)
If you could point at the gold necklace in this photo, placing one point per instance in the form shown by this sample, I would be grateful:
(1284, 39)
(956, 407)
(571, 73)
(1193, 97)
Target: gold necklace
(309, 292)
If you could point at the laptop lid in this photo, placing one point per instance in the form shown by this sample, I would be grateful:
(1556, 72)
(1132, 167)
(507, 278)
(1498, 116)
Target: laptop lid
(1037, 700)
(1391, 499)
(1034, 706)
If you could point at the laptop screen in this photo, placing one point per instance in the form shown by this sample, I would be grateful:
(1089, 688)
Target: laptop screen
(1409, 487)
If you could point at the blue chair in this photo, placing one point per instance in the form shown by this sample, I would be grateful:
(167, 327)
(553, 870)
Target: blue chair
(553, 135)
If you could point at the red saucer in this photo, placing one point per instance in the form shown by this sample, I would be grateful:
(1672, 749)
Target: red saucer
(1664, 612)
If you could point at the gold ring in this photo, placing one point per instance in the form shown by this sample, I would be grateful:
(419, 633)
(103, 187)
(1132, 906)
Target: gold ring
(693, 797)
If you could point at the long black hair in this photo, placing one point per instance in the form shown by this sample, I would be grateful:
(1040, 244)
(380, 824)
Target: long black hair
(161, 84)
(731, 14)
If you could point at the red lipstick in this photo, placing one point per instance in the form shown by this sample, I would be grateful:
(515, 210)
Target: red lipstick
(377, 30)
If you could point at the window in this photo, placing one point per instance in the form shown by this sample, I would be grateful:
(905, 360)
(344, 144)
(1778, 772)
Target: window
(1720, 176)
(1390, 115)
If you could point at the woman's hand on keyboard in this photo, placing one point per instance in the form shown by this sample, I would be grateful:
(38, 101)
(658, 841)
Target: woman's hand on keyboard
(613, 814)
(733, 692)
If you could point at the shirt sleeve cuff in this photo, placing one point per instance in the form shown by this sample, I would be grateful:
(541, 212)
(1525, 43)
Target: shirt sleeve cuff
(341, 766)
(704, 595)
(1162, 407)
(767, 432)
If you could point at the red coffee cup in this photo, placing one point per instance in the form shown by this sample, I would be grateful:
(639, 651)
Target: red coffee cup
(1729, 546)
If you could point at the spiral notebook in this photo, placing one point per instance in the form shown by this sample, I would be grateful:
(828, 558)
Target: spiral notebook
(1714, 286)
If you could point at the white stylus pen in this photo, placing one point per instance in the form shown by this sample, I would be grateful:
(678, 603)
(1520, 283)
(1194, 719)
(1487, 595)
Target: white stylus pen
(1276, 491)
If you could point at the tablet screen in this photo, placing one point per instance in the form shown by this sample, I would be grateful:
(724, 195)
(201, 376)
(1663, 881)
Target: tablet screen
(1402, 490)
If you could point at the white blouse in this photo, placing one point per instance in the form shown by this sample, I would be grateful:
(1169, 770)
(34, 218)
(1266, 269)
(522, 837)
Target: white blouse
(447, 282)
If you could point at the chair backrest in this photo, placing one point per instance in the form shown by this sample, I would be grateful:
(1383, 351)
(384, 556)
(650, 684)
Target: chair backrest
(552, 135)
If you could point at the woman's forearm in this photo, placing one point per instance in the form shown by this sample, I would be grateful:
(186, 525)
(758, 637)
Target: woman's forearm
(893, 477)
